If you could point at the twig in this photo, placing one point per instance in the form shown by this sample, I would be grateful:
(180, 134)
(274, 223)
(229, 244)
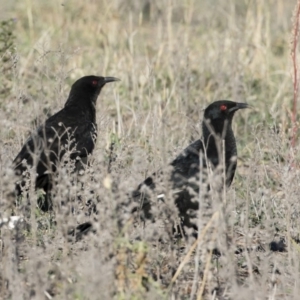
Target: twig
(295, 37)
(111, 159)
(200, 237)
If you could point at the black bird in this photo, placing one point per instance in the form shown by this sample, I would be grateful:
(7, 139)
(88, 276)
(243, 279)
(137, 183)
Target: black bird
(184, 170)
(72, 131)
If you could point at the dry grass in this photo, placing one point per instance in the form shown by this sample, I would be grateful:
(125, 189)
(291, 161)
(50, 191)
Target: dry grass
(173, 57)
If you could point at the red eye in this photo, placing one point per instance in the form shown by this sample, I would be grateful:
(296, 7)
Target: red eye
(94, 82)
(223, 107)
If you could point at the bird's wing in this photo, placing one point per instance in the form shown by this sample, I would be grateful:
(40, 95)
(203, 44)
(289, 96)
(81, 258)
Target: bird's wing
(181, 172)
(184, 166)
(63, 132)
(81, 131)
(44, 146)
(24, 154)
(85, 136)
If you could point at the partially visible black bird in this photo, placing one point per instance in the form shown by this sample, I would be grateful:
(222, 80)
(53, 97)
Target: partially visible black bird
(184, 173)
(72, 130)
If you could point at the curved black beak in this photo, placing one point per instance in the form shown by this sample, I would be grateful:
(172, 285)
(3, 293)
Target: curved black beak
(111, 79)
(238, 106)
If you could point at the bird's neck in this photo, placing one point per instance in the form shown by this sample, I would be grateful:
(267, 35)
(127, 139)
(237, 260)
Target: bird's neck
(91, 112)
(214, 137)
(87, 108)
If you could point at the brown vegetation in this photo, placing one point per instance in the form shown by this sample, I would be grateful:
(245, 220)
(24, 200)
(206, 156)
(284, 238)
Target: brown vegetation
(173, 58)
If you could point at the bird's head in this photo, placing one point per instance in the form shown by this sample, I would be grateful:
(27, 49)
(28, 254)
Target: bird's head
(89, 87)
(222, 109)
(219, 112)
